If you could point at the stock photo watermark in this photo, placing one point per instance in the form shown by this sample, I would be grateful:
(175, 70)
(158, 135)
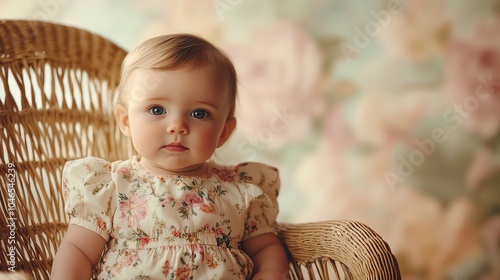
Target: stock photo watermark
(279, 122)
(11, 216)
(48, 9)
(454, 116)
(364, 36)
(142, 81)
(223, 6)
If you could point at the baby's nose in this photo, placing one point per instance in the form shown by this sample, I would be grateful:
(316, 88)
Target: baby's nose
(177, 126)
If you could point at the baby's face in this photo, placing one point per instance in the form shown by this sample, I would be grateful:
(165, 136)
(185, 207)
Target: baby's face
(176, 118)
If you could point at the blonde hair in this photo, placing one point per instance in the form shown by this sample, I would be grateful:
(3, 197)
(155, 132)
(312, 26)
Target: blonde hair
(175, 51)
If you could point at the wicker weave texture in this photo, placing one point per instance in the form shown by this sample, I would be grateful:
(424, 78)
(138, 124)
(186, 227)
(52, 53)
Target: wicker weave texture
(358, 252)
(55, 105)
(56, 99)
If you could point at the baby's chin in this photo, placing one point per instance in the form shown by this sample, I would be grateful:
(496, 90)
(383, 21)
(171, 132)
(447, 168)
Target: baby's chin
(178, 170)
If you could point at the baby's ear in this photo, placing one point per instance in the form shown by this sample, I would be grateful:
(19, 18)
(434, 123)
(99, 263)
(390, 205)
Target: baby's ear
(227, 131)
(121, 115)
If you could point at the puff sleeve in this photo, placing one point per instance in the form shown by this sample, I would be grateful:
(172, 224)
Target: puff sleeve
(89, 194)
(263, 185)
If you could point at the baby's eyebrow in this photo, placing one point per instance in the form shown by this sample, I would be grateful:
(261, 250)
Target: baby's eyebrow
(156, 98)
(209, 104)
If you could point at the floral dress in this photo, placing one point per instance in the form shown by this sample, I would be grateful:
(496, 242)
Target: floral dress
(171, 227)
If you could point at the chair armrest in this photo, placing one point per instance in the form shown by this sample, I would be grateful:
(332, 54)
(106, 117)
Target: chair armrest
(355, 245)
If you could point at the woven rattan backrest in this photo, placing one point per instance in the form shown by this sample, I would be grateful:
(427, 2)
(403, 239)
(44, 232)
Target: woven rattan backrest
(56, 99)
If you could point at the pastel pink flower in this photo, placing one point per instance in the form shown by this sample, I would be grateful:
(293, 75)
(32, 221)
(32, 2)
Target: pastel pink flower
(279, 71)
(183, 272)
(131, 259)
(145, 240)
(133, 210)
(473, 78)
(225, 175)
(218, 230)
(101, 223)
(208, 208)
(192, 199)
(88, 167)
(166, 268)
(124, 171)
(65, 185)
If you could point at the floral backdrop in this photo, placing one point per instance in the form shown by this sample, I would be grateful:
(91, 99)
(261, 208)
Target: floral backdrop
(386, 112)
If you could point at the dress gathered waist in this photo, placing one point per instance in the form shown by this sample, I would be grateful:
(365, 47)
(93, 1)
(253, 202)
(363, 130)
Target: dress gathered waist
(201, 239)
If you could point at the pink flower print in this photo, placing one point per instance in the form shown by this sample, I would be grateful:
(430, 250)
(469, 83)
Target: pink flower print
(186, 208)
(192, 199)
(145, 240)
(215, 192)
(125, 173)
(169, 201)
(176, 233)
(131, 259)
(251, 226)
(212, 194)
(197, 251)
(211, 261)
(473, 74)
(180, 273)
(133, 209)
(65, 185)
(101, 224)
(208, 208)
(219, 230)
(183, 272)
(88, 167)
(166, 268)
(107, 166)
(225, 175)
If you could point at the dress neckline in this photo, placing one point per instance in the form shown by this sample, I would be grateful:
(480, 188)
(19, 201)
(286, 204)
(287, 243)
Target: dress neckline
(135, 163)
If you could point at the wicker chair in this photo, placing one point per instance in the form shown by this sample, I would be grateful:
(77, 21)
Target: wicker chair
(56, 105)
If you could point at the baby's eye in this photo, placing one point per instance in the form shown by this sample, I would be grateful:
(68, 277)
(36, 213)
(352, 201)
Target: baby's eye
(200, 114)
(157, 110)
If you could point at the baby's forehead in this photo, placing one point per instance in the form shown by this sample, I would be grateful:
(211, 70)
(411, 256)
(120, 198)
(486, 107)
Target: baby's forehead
(150, 75)
(143, 83)
(147, 78)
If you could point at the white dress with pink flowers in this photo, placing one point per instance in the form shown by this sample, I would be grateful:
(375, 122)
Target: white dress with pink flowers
(171, 227)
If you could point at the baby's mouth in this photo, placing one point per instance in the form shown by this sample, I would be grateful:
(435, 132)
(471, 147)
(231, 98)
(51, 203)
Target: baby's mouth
(175, 147)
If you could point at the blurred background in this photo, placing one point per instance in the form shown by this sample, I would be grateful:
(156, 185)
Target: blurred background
(382, 111)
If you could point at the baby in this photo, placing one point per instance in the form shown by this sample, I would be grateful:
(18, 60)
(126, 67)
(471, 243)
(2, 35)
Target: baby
(171, 212)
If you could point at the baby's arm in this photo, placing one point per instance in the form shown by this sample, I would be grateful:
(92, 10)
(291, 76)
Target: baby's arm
(268, 255)
(78, 254)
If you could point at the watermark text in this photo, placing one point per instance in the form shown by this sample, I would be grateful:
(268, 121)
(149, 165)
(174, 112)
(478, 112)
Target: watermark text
(11, 216)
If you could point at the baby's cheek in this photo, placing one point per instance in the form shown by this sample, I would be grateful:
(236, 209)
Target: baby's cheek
(144, 136)
(207, 143)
